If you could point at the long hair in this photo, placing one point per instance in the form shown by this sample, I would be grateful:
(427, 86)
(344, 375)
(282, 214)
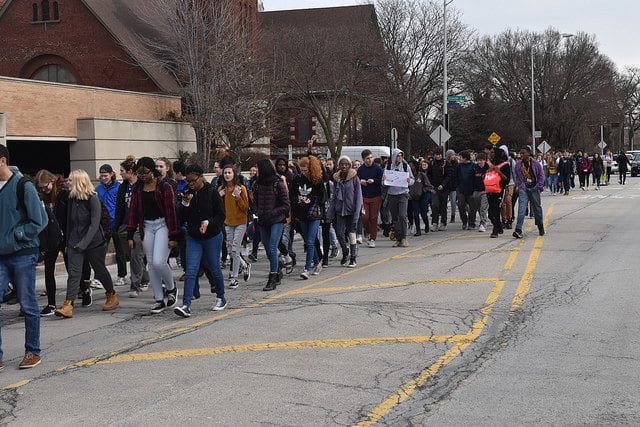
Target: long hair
(43, 177)
(315, 168)
(81, 186)
(168, 165)
(148, 163)
(234, 180)
(266, 172)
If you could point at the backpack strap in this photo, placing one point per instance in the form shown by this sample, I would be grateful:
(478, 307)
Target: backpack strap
(20, 193)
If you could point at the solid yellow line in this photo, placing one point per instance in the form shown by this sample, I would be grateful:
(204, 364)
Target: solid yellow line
(394, 284)
(17, 385)
(511, 260)
(410, 386)
(289, 345)
(527, 277)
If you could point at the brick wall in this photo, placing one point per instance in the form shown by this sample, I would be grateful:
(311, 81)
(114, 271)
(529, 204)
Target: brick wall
(45, 109)
(78, 40)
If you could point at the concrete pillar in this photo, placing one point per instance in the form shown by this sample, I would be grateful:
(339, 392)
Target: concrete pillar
(3, 130)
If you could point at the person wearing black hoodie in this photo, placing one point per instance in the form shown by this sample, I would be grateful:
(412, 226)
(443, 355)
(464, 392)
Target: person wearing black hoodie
(464, 190)
(439, 174)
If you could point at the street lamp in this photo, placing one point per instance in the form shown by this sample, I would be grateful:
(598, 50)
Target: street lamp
(533, 97)
(445, 111)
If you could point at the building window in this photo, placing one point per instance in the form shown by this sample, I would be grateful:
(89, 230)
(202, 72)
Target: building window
(54, 73)
(45, 10)
(56, 15)
(34, 18)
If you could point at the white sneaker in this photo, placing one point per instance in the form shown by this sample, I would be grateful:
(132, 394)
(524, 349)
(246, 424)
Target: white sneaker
(304, 274)
(359, 239)
(121, 281)
(442, 227)
(434, 227)
(95, 284)
(371, 243)
(482, 228)
(317, 269)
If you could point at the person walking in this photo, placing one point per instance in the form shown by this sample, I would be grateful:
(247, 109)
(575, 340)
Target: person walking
(85, 240)
(345, 206)
(19, 248)
(585, 171)
(608, 160)
(270, 203)
(623, 166)
(236, 211)
(510, 194)
(309, 198)
(153, 213)
(495, 182)
(398, 196)
(478, 204)
(597, 167)
(370, 175)
(552, 168)
(420, 188)
(465, 174)
(203, 210)
(565, 169)
(440, 174)
(529, 177)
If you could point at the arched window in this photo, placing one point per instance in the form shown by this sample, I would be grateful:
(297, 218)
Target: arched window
(35, 12)
(54, 73)
(56, 15)
(45, 10)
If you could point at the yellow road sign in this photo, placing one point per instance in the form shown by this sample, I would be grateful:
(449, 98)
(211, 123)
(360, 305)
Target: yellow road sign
(494, 138)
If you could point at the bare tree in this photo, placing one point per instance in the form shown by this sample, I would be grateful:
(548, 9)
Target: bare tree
(210, 49)
(332, 67)
(630, 87)
(412, 31)
(575, 85)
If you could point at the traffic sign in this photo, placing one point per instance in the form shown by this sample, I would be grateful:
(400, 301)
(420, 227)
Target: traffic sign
(602, 144)
(394, 135)
(494, 138)
(537, 134)
(290, 151)
(544, 147)
(456, 98)
(453, 104)
(440, 136)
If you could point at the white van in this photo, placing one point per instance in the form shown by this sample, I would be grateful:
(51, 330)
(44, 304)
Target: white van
(354, 152)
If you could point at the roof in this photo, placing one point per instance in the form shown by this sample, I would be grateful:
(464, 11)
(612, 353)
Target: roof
(119, 17)
(343, 35)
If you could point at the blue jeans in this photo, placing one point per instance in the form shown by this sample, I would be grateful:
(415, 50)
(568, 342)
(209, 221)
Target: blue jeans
(270, 237)
(346, 232)
(207, 252)
(21, 271)
(529, 195)
(310, 232)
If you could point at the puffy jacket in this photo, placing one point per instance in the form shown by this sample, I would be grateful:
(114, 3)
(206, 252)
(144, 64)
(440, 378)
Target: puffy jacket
(83, 223)
(108, 195)
(270, 202)
(206, 204)
(440, 173)
(347, 197)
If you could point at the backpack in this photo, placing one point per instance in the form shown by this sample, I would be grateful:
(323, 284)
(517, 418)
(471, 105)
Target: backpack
(52, 236)
(492, 181)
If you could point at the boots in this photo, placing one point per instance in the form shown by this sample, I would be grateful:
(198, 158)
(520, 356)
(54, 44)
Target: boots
(112, 302)
(66, 310)
(278, 280)
(272, 282)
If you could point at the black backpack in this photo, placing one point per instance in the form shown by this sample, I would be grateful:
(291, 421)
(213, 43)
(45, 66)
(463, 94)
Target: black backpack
(51, 237)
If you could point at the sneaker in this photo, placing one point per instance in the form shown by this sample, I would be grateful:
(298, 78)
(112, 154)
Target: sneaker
(359, 239)
(471, 227)
(253, 257)
(371, 243)
(221, 304)
(334, 252)
(442, 227)
(158, 307)
(517, 234)
(541, 229)
(95, 284)
(47, 311)
(29, 361)
(133, 293)
(1, 365)
(120, 281)
(233, 284)
(317, 269)
(434, 227)
(87, 298)
(172, 296)
(305, 274)
(344, 259)
(464, 226)
(184, 311)
(246, 272)
(181, 278)
(352, 263)
(404, 243)
(482, 228)
(144, 286)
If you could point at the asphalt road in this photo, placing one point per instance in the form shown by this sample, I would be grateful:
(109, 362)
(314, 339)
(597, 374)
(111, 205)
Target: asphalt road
(457, 329)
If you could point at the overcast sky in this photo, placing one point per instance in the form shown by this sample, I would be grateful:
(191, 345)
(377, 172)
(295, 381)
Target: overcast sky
(613, 22)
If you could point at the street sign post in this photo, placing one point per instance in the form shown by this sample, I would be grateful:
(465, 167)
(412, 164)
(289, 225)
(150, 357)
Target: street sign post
(290, 151)
(538, 134)
(394, 138)
(494, 138)
(456, 98)
(544, 147)
(440, 136)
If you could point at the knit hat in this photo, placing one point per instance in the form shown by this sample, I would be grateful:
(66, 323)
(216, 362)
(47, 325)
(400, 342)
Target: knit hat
(344, 158)
(106, 168)
(449, 153)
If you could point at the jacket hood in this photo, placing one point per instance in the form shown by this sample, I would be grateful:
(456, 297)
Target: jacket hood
(394, 155)
(350, 175)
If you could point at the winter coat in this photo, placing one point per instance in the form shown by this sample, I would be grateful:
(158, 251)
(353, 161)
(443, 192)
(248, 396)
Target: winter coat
(347, 196)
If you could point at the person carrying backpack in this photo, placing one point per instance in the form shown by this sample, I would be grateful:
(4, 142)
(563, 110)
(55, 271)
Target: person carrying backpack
(398, 196)
(495, 181)
(19, 249)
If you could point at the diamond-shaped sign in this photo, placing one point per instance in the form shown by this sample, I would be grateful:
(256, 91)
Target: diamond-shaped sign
(440, 135)
(494, 138)
(602, 144)
(544, 147)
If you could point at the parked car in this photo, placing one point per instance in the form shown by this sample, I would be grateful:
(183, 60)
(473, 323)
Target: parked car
(635, 162)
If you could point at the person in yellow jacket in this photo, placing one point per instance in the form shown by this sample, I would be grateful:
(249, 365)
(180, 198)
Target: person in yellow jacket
(236, 206)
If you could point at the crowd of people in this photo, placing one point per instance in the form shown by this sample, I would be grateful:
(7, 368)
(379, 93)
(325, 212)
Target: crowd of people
(162, 209)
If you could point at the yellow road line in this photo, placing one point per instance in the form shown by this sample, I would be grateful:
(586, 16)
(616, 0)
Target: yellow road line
(394, 284)
(17, 385)
(288, 345)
